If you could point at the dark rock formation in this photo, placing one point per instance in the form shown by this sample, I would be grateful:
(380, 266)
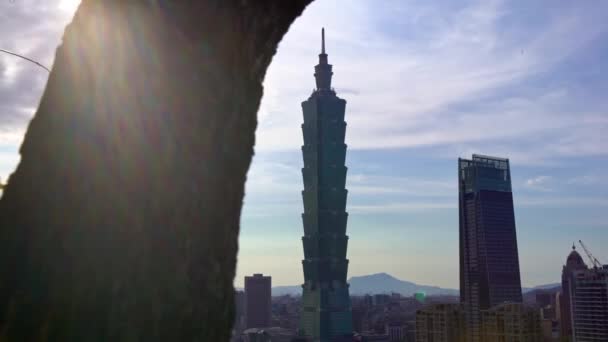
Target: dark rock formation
(121, 221)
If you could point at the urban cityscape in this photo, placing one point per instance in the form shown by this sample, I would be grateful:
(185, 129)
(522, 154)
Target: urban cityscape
(443, 181)
(491, 306)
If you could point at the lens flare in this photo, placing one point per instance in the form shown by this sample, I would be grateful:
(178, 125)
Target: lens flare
(68, 5)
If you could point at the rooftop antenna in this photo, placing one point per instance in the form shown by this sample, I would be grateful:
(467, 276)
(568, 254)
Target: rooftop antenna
(323, 40)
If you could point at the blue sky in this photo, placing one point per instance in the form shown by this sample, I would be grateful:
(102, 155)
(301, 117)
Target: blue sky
(426, 82)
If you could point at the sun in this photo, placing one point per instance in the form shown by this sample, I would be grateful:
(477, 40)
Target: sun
(68, 5)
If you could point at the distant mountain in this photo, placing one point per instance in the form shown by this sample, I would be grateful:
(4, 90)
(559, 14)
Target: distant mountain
(541, 287)
(385, 283)
(375, 284)
(530, 293)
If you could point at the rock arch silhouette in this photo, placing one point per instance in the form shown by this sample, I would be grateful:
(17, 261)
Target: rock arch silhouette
(121, 221)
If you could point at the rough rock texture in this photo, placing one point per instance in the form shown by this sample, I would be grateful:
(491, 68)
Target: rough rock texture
(121, 221)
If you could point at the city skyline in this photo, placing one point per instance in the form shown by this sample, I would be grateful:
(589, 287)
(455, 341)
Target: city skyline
(416, 96)
(405, 134)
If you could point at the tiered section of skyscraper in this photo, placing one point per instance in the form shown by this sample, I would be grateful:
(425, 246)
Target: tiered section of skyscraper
(326, 314)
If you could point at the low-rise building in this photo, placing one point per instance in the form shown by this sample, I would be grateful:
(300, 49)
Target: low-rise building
(371, 338)
(440, 323)
(395, 331)
(511, 322)
(550, 330)
(273, 334)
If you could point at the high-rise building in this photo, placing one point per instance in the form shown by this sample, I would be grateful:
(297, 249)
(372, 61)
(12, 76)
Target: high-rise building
(258, 301)
(239, 315)
(440, 323)
(588, 289)
(511, 322)
(326, 314)
(489, 263)
(574, 262)
(558, 306)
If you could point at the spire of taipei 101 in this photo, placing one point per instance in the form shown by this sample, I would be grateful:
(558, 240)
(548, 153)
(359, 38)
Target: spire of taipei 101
(326, 314)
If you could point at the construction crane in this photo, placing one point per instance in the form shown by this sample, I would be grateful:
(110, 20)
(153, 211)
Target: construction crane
(596, 263)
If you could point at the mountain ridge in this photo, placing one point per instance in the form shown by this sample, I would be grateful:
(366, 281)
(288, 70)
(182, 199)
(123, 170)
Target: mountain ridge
(383, 282)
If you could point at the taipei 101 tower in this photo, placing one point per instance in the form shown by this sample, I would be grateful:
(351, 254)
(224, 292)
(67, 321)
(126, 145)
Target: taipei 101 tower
(326, 313)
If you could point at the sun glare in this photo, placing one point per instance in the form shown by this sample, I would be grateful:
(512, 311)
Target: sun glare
(68, 5)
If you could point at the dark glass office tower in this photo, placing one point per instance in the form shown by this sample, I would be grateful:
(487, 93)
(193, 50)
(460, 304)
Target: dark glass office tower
(489, 264)
(258, 301)
(326, 314)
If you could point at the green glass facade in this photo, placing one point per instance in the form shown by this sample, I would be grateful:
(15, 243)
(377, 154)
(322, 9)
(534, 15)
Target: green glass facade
(326, 314)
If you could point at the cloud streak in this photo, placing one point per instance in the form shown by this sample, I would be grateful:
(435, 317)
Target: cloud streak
(465, 82)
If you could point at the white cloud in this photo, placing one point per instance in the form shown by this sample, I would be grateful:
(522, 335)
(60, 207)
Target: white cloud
(274, 187)
(539, 183)
(401, 207)
(32, 28)
(370, 184)
(68, 6)
(560, 201)
(590, 179)
(440, 88)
